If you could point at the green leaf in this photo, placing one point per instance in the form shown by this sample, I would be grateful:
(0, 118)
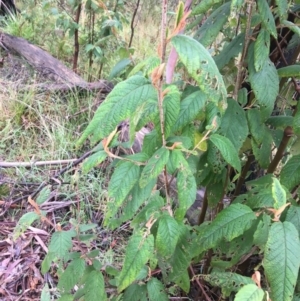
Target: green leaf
(61, 242)
(227, 150)
(179, 13)
(148, 65)
(45, 295)
(229, 223)
(280, 121)
(43, 195)
(278, 193)
(92, 161)
(137, 254)
(230, 51)
(119, 67)
(242, 96)
(187, 189)
(135, 292)
(282, 8)
(119, 105)
(261, 234)
(282, 260)
(156, 290)
(94, 287)
(296, 120)
(24, 222)
(293, 216)
(151, 143)
(267, 17)
(46, 263)
(154, 166)
(66, 297)
(234, 124)
(289, 71)
(211, 28)
(190, 107)
(293, 27)
(201, 67)
(72, 274)
(290, 173)
(204, 6)
(227, 281)
(261, 49)
(250, 292)
(122, 181)
(255, 125)
(167, 235)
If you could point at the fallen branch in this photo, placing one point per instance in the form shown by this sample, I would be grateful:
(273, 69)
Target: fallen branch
(35, 163)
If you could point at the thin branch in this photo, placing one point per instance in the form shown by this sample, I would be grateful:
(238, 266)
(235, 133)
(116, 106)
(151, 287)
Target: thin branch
(35, 163)
(76, 42)
(132, 23)
(199, 284)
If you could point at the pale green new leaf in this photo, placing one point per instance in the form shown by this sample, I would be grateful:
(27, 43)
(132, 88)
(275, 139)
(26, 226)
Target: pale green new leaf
(227, 150)
(94, 287)
(45, 295)
(137, 254)
(190, 107)
(61, 242)
(201, 67)
(122, 181)
(282, 260)
(156, 290)
(278, 193)
(229, 223)
(204, 6)
(261, 49)
(93, 160)
(267, 17)
(227, 281)
(293, 216)
(234, 124)
(167, 235)
(289, 71)
(282, 8)
(72, 274)
(212, 27)
(250, 292)
(154, 166)
(43, 195)
(119, 105)
(24, 222)
(230, 51)
(290, 173)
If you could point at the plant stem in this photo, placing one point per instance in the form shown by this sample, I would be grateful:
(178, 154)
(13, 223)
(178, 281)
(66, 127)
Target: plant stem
(132, 23)
(76, 42)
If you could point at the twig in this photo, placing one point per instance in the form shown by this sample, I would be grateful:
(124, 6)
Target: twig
(132, 23)
(35, 163)
(199, 284)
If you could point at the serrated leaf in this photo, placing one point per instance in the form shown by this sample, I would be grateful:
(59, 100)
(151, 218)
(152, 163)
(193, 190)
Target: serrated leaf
(156, 290)
(43, 195)
(119, 67)
(261, 234)
(204, 6)
(167, 235)
(280, 121)
(137, 254)
(148, 65)
(66, 297)
(267, 17)
(61, 242)
(45, 295)
(201, 67)
(92, 161)
(230, 51)
(282, 260)
(290, 173)
(24, 222)
(278, 193)
(234, 124)
(227, 150)
(262, 151)
(242, 96)
(227, 281)
(229, 223)
(265, 83)
(289, 71)
(122, 181)
(250, 292)
(255, 125)
(135, 292)
(151, 143)
(282, 8)
(187, 189)
(119, 105)
(72, 274)
(211, 28)
(154, 166)
(293, 216)
(94, 287)
(46, 263)
(190, 107)
(261, 49)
